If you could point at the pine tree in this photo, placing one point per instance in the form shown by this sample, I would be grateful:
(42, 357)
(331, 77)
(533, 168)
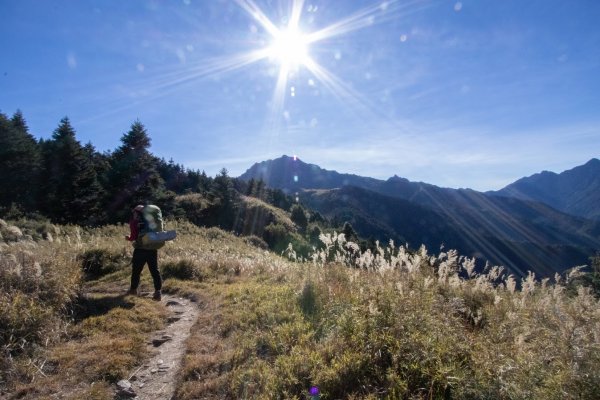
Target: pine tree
(279, 199)
(298, 217)
(250, 189)
(174, 176)
(349, 232)
(71, 191)
(199, 182)
(134, 177)
(100, 162)
(19, 163)
(224, 199)
(260, 190)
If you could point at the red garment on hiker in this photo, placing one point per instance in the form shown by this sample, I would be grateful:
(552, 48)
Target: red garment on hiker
(134, 228)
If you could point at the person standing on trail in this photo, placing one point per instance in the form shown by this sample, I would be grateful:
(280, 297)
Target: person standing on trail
(144, 253)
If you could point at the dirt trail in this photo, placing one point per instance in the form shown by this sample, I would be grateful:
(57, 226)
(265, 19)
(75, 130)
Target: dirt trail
(157, 377)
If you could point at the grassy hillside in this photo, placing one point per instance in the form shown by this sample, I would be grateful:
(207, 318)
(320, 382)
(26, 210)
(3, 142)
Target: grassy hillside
(537, 236)
(518, 234)
(389, 324)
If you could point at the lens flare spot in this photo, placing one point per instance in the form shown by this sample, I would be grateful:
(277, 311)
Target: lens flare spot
(295, 178)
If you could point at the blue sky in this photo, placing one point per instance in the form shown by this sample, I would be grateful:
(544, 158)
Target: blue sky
(473, 93)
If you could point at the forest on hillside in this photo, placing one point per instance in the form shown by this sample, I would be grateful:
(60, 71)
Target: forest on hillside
(67, 182)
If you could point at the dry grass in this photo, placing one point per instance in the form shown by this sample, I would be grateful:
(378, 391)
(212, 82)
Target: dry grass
(396, 325)
(389, 324)
(61, 335)
(277, 215)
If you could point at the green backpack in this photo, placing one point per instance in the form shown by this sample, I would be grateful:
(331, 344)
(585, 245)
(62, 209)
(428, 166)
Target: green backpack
(152, 221)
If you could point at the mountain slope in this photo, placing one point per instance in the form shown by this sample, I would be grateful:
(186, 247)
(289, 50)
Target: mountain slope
(520, 234)
(575, 191)
(384, 217)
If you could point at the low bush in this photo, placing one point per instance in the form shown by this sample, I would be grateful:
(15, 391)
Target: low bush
(96, 263)
(255, 241)
(183, 269)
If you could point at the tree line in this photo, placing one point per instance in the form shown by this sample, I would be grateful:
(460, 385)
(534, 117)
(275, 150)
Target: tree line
(68, 182)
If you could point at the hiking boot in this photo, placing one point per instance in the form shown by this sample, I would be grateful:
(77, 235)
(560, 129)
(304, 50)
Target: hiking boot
(133, 292)
(157, 295)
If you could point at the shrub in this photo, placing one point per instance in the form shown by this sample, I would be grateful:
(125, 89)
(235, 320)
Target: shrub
(256, 242)
(24, 322)
(183, 269)
(96, 263)
(276, 236)
(195, 206)
(36, 292)
(11, 233)
(298, 217)
(216, 234)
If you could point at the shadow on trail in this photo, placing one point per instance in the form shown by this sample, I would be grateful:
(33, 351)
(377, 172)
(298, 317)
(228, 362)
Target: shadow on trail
(98, 304)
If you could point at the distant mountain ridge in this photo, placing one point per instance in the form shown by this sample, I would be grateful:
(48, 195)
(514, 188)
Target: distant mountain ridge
(519, 233)
(291, 174)
(575, 191)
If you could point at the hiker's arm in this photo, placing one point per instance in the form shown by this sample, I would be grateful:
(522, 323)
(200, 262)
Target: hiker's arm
(133, 228)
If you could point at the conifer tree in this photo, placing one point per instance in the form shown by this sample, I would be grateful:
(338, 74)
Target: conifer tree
(19, 163)
(279, 199)
(250, 189)
(134, 177)
(224, 199)
(349, 232)
(298, 217)
(174, 176)
(100, 162)
(71, 191)
(199, 182)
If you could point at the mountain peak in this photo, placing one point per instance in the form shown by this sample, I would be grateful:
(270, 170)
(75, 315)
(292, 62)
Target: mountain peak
(575, 191)
(397, 178)
(292, 174)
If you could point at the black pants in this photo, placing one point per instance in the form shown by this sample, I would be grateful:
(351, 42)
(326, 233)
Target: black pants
(141, 257)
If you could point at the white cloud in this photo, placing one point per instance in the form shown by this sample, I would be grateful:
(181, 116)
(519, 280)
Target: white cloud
(474, 157)
(71, 60)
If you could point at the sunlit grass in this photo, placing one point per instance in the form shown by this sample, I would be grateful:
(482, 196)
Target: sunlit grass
(384, 324)
(395, 324)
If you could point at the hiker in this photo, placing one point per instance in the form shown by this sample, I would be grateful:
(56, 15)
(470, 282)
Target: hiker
(142, 254)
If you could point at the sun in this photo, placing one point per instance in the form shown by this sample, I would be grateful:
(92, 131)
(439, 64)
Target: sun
(290, 48)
